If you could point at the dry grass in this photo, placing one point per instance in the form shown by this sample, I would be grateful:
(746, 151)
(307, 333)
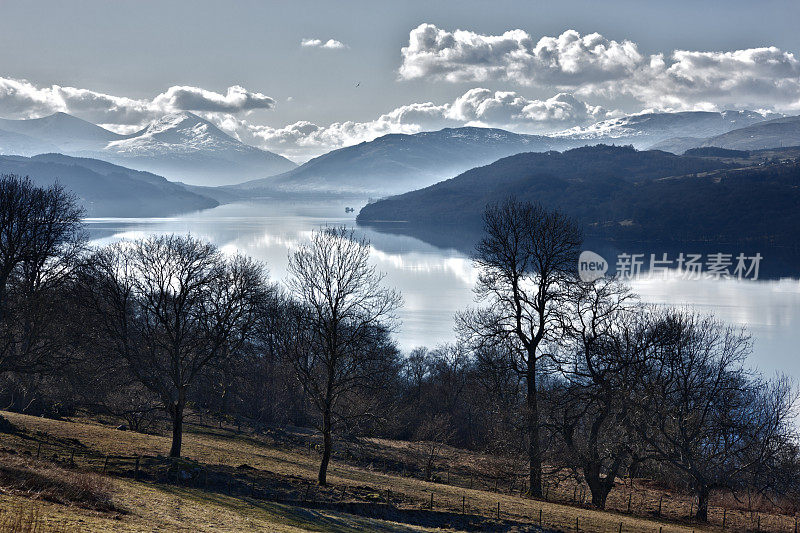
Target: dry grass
(285, 467)
(43, 480)
(27, 519)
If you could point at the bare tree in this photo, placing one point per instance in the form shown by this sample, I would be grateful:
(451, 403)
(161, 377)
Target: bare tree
(606, 335)
(168, 306)
(701, 413)
(527, 259)
(345, 307)
(40, 241)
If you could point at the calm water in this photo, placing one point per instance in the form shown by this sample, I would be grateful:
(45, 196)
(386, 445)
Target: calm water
(437, 282)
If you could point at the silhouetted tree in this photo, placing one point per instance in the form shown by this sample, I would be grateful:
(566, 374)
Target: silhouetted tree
(606, 338)
(345, 309)
(701, 413)
(527, 259)
(168, 306)
(40, 242)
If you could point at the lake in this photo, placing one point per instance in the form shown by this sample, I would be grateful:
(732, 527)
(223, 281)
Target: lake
(436, 282)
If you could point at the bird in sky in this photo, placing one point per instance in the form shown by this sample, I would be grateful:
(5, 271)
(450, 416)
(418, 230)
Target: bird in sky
(358, 84)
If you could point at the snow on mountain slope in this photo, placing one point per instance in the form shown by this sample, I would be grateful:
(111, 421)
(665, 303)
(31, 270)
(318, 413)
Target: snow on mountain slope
(68, 133)
(646, 129)
(179, 146)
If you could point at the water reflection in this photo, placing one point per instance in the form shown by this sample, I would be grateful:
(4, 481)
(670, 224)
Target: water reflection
(436, 277)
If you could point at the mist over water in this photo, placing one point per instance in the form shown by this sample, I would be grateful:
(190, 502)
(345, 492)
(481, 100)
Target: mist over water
(436, 282)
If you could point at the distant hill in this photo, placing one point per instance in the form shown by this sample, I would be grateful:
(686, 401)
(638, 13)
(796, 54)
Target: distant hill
(774, 133)
(398, 163)
(105, 189)
(180, 146)
(615, 192)
(643, 130)
(768, 134)
(68, 133)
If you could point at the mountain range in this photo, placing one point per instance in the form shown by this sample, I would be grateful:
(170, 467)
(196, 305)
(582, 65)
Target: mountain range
(179, 146)
(643, 130)
(397, 163)
(775, 133)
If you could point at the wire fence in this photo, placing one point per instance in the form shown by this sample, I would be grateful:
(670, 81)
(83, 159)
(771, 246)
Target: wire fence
(640, 508)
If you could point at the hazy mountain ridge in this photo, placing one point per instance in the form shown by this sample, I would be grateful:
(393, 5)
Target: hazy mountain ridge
(180, 146)
(396, 163)
(109, 190)
(400, 162)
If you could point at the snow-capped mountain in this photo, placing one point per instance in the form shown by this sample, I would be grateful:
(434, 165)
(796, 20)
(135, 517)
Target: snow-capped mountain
(180, 146)
(60, 130)
(644, 130)
(186, 147)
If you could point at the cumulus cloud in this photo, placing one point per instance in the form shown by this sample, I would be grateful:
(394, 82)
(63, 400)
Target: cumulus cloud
(235, 100)
(564, 61)
(509, 109)
(593, 66)
(22, 99)
(330, 44)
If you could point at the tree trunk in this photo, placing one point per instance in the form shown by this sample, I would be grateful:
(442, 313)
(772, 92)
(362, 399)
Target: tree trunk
(534, 454)
(598, 486)
(176, 413)
(703, 496)
(326, 447)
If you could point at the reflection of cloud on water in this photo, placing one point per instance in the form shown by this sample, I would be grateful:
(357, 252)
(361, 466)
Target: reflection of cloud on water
(459, 267)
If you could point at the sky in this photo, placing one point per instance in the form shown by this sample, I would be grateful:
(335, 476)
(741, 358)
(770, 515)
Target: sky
(304, 77)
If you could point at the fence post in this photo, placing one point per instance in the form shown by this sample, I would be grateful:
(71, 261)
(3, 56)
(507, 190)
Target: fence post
(691, 508)
(660, 499)
(498, 510)
(72, 457)
(388, 496)
(620, 527)
(576, 524)
(463, 504)
(758, 517)
(105, 464)
(540, 517)
(431, 500)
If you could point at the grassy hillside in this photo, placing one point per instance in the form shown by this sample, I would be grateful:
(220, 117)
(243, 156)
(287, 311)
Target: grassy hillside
(231, 481)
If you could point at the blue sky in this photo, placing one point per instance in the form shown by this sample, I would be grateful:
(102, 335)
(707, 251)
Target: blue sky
(303, 99)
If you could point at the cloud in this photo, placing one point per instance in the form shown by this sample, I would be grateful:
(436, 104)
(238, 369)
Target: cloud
(593, 67)
(509, 109)
(330, 44)
(22, 99)
(568, 60)
(755, 77)
(235, 100)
